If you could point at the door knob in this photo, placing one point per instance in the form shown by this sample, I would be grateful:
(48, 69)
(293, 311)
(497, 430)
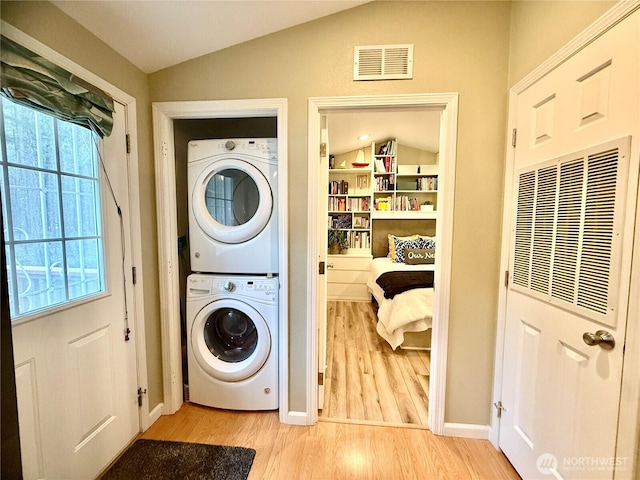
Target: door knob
(601, 337)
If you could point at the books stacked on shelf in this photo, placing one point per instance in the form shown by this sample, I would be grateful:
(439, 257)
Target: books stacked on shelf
(388, 148)
(384, 184)
(338, 188)
(405, 203)
(427, 183)
(337, 204)
(358, 204)
(359, 240)
(385, 164)
(383, 204)
(361, 222)
(341, 221)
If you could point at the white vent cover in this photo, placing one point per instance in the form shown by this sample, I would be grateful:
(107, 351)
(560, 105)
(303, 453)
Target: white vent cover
(383, 62)
(569, 216)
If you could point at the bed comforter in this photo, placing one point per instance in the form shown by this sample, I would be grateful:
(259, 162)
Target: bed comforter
(408, 311)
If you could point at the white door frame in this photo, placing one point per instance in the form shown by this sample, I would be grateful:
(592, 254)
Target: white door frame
(164, 113)
(129, 102)
(630, 399)
(448, 102)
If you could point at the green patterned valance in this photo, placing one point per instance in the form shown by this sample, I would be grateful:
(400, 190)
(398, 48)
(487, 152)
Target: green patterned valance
(31, 80)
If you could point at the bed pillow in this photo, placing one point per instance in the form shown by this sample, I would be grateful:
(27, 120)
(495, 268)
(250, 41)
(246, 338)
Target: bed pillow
(419, 256)
(392, 244)
(402, 243)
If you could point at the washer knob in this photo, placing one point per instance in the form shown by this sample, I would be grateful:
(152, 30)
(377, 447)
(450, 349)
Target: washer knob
(230, 145)
(228, 286)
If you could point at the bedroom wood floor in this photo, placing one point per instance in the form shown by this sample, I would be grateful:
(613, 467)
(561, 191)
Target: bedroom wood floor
(334, 451)
(365, 380)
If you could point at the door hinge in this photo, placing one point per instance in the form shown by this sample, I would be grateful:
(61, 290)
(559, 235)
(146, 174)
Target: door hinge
(321, 268)
(499, 407)
(127, 139)
(506, 278)
(141, 393)
(320, 378)
(323, 149)
(514, 135)
(134, 275)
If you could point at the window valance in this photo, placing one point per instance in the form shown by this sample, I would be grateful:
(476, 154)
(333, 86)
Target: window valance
(31, 80)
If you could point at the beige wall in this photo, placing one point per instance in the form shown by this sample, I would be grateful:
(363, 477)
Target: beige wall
(474, 48)
(459, 47)
(47, 24)
(540, 28)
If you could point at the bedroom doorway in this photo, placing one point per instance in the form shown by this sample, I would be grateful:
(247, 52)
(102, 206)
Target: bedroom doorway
(361, 379)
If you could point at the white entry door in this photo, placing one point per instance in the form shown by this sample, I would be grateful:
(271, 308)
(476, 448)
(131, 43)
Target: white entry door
(76, 376)
(575, 189)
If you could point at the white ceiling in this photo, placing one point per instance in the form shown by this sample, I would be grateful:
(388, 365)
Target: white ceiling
(154, 34)
(417, 128)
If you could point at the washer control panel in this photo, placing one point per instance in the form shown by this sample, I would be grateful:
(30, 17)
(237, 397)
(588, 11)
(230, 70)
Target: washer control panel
(199, 285)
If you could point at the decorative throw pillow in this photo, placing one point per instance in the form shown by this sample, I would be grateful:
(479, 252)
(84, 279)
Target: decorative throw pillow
(402, 243)
(392, 244)
(419, 256)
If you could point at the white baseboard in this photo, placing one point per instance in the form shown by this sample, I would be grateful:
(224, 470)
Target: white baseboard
(154, 415)
(297, 418)
(466, 430)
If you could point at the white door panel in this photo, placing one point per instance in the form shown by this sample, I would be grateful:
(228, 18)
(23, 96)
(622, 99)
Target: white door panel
(321, 292)
(575, 191)
(77, 398)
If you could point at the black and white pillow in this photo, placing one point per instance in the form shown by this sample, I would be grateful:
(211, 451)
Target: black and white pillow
(400, 244)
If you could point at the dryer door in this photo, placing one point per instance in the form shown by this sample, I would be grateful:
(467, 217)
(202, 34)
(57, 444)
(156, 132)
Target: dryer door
(232, 201)
(230, 340)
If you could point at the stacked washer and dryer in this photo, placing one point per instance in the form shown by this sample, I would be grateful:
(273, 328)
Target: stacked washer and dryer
(232, 296)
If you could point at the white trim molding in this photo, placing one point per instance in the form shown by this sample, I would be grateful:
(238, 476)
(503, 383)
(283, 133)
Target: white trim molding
(164, 113)
(466, 430)
(448, 103)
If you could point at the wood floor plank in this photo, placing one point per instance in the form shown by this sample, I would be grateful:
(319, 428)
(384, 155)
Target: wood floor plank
(332, 450)
(388, 404)
(355, 388)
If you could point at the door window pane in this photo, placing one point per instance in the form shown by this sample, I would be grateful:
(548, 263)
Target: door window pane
(51, 206)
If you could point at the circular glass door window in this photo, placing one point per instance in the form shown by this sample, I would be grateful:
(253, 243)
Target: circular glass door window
(230, 335)
(232, 201)
(231, 197)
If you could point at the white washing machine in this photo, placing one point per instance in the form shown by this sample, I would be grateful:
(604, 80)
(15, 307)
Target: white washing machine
(233, 192)
(232, 341)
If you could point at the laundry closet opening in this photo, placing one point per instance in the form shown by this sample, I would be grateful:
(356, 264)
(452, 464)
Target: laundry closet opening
(186, 130)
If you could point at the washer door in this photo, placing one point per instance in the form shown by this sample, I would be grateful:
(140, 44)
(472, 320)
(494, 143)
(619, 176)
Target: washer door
(232, 201)
(230, 340)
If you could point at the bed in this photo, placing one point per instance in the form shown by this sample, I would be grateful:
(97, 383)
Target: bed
(404, 292)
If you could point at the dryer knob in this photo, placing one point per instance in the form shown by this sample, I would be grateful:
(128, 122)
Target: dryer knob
(230, 145)
(228, 286)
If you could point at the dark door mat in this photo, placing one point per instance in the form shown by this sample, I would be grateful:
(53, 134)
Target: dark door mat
(160, 460)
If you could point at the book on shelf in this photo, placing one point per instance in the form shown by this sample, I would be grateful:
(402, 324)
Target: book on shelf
(359, 240)
(338, 188)
(427, 183)
(388, 148)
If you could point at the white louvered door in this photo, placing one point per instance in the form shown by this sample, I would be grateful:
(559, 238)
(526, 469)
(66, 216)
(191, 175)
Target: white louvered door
(574, 197)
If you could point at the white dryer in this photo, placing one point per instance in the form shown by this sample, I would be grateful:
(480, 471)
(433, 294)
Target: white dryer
(233, 192)
(232, 341)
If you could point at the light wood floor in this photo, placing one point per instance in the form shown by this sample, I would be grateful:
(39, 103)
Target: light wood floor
(334, 451)
(365, 379)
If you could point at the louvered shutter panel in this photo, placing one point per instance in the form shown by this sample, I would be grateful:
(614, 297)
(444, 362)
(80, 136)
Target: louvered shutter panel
(568, 215)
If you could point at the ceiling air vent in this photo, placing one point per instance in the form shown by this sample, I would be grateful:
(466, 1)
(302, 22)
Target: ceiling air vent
(383, 62)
